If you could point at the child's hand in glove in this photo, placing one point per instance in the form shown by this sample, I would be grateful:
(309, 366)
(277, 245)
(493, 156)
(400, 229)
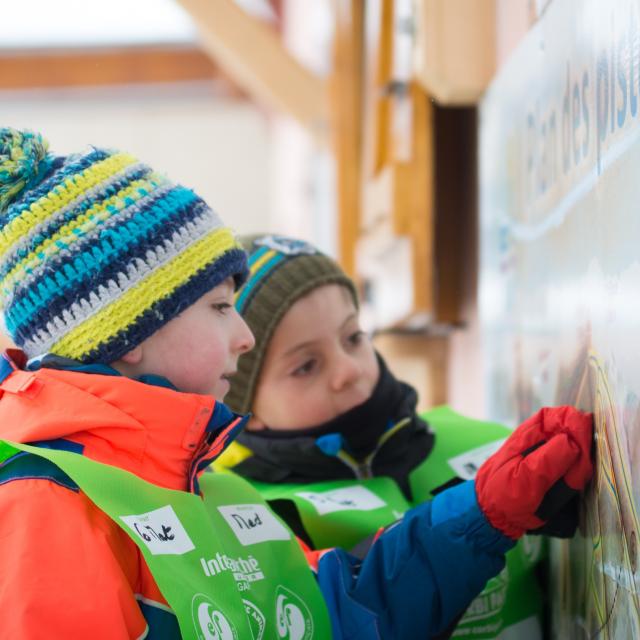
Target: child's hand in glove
(532, 482)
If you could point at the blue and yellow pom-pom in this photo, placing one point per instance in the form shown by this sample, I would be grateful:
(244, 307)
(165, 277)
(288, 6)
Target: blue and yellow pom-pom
(21, 155)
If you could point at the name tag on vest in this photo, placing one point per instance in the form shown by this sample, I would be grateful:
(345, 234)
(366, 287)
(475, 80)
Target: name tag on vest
(354, 498)
(161, 531)
(253, 523)
(466, 464)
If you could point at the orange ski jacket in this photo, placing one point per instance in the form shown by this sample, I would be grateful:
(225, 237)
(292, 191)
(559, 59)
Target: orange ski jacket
(53, 540)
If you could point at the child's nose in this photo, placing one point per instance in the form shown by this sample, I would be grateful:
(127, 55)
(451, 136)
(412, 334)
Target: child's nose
(245, 340)
(347, 371)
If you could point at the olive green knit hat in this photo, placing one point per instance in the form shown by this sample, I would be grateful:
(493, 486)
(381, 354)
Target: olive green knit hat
(282, 270)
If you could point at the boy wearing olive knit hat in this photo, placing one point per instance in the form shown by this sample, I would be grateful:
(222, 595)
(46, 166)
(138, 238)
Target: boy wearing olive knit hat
(283, 270)
(118, 287)
(335, 443)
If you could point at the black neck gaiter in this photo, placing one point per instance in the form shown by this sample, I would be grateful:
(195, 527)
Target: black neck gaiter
(293, 455)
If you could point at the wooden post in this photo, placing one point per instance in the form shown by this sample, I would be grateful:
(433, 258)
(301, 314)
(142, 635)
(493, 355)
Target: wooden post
(414, 199)
(346, 111)
(254, 56)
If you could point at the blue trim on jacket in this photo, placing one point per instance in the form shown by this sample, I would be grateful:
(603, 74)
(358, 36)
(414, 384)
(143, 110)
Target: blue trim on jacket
(162, 624)
(25, 466)
(432, 563)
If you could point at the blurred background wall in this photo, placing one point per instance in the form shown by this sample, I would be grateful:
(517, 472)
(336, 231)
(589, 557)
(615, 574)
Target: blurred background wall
(218, 146)
(348, 123)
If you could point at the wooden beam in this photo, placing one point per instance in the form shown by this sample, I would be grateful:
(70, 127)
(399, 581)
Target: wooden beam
(414, 199)
(382, 59)
(346, 106)
(103, 67)
(455, 55)
(252, 53)
(377, 72)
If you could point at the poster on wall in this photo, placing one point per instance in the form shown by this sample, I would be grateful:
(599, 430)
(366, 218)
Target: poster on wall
(560, 279)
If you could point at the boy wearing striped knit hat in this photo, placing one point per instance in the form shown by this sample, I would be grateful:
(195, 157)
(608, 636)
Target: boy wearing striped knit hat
(117, 287)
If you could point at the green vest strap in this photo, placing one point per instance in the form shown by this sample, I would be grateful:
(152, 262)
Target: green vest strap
(225, 563)
(345, 512)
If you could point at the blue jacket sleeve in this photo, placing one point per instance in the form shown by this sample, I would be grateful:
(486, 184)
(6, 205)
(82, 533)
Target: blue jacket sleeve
(419, 575)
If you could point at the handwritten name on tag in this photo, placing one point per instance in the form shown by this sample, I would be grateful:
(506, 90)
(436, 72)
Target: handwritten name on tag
(161, 531)
(253, 523)
(345, 499)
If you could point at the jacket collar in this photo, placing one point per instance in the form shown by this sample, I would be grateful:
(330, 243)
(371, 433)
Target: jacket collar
(304, 459)
(146, 427)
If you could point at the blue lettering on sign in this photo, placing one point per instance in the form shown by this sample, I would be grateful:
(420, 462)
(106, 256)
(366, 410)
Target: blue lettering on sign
(596, 103)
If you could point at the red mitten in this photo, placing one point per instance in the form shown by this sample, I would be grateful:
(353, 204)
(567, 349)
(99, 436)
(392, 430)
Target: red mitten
(534, 478)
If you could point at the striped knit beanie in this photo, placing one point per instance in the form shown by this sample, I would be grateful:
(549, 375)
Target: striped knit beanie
(97, 251)
(282, 270)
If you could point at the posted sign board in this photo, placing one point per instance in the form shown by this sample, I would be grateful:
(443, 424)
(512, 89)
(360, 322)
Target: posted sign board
(560, 278)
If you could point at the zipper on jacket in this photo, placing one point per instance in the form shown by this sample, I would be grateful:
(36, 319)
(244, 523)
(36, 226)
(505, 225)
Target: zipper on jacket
(363, 469)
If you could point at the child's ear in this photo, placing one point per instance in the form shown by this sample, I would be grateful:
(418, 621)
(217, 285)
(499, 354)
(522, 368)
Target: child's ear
(255, 424)
(134, 356)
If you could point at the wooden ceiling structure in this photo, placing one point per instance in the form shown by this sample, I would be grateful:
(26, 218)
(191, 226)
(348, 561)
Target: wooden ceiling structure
(405, 167)
(251, 51)
(383, 131)
(100, 67)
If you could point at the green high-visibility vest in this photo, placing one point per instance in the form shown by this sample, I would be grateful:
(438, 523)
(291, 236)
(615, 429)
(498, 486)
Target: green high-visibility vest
(226, 564)
(345, 512)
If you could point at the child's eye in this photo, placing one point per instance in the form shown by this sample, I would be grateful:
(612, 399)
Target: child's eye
(356, 338)
(221, 307)
(304, 369)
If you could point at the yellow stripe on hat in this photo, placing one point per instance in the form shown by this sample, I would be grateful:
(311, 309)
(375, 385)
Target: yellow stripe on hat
(258, 263)
(74, 231)
(253, 269)
(123, 312)
(60, 196)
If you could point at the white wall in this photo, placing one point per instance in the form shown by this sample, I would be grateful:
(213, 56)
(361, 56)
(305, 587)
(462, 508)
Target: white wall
(219, 147)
